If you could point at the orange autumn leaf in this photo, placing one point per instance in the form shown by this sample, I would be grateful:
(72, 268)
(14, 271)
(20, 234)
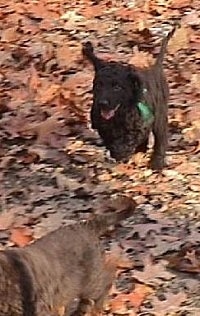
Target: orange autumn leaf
(41, 10)
(180, 40)
(76, 81)
(67, 56)
(118, 304)
(141, 59)
(125, 263)
(123, 168)
(10, 35)
(48, 92)
(139, 188)
(136, 298)
(124, 13)
(21, 236)
(34, 79)
(178, 4)
(93, 11)
(121, 259)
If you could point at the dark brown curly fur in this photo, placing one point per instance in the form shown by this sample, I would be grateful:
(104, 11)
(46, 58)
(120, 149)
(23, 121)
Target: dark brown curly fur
(66, 268)
(117, 89)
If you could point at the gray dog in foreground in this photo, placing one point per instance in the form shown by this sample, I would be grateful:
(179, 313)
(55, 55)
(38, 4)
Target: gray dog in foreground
(64, 267)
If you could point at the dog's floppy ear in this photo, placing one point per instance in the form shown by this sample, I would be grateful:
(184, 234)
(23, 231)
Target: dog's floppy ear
(88, 52)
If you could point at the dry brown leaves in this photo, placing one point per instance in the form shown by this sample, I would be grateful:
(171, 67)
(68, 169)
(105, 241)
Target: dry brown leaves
(53, 170)
(21, 236)
(120, 303)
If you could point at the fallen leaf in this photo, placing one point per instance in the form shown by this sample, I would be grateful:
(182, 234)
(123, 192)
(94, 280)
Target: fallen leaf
(72, 16)
(141, 59)
(195, 81)
(171, 174)
(41, 10)
(48, 224)
(34, 79)
(170, 305)
(10, 35)
(178, 4)
(6, 219)
(105, 177)
(144, 229)
(135, 299)
(93, 11)
(45, 128)
(192, 134)
(6, 161)
(29, 158)
(65, 182)
(75, 146)
(139, 294)
(44, 152)
(153, 273)
(192, 18)
(187, 259)
(47, 93)
(139, 188)
(118, 304)
(68, 56)
(180, 40)
(122, 168)
(21, 236)
(121, 259)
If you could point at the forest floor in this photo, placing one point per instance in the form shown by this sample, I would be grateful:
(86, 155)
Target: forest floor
(54, 168)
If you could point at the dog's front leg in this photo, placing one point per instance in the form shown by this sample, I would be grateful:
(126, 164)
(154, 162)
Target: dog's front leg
(94, 118)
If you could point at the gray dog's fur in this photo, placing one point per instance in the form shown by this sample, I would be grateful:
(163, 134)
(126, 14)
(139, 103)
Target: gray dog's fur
(66, 268)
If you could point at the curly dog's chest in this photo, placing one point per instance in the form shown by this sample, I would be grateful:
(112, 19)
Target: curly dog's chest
(124, 134)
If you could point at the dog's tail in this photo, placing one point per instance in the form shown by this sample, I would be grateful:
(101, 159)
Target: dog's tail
(124, 208)
(165, 41)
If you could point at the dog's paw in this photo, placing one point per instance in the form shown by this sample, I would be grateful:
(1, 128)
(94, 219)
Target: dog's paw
(87, 48)
(157, 163)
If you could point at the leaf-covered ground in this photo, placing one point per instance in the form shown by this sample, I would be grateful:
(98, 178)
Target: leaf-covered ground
(54, 168)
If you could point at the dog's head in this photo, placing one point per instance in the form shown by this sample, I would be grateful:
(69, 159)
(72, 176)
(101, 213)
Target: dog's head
(115, 85)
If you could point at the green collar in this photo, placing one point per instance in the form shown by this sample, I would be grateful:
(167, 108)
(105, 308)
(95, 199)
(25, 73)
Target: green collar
(145, 111)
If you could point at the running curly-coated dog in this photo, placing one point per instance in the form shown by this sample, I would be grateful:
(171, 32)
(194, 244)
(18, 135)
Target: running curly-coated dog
(129, 103)
(64, 273)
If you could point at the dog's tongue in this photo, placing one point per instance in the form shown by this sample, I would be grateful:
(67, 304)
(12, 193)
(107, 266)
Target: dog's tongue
(107, 115)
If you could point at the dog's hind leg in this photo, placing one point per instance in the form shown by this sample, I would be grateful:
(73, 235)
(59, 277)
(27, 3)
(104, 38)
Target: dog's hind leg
(84, 308)
(160, 145)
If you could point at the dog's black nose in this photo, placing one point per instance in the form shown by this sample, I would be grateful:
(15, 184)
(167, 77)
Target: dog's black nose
(103, 103)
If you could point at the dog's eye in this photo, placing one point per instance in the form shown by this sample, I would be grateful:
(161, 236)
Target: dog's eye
(117, 88)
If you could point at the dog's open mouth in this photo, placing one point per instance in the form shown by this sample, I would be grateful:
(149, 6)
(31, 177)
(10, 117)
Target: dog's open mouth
(108, 114)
